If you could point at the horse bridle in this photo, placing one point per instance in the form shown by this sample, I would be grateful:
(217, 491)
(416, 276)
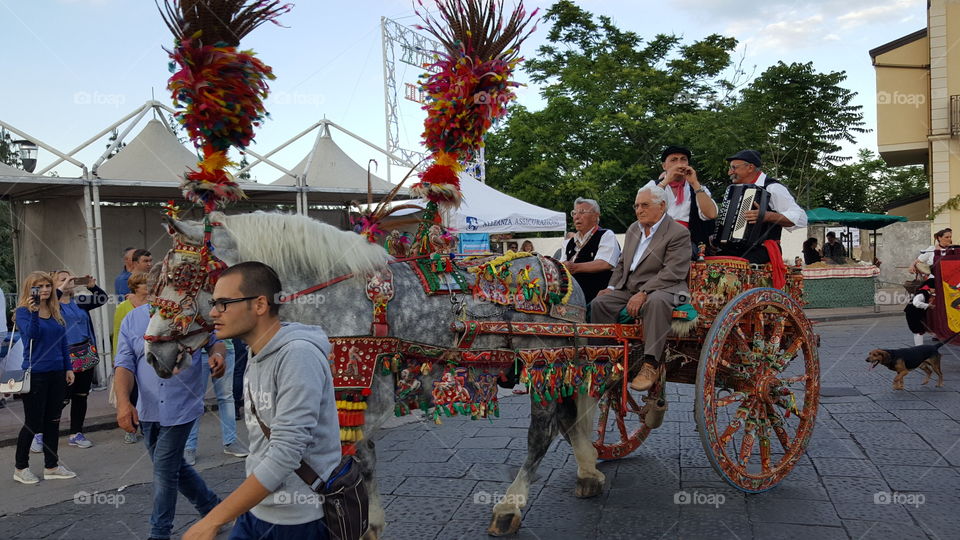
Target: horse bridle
(197, 272)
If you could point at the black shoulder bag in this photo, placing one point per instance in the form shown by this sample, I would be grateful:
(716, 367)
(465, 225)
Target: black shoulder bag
(346, 507)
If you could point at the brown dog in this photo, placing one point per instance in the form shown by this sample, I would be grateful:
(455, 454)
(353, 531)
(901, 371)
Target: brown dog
(903, 361)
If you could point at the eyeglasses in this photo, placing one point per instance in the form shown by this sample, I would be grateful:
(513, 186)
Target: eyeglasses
(643, 205)
(733, 167)
(576, 213)
(220, 304)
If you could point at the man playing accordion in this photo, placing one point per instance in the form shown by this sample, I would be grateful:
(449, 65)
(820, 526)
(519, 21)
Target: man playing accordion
(782, 212)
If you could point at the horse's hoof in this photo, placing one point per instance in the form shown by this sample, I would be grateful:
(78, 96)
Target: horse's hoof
(504, 524)
(588, 487)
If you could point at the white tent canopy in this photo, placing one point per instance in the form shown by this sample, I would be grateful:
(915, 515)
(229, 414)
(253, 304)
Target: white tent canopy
(154, 154)
(328, 167)
(486, 210)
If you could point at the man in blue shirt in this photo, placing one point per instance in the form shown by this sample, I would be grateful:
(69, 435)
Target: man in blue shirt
(166, 410)
(120, 286)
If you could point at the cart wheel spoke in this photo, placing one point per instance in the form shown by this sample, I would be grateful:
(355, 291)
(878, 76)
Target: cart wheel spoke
(731, 399)
(777, 423)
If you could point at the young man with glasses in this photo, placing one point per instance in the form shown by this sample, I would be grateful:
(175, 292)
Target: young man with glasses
(289, 388)
(166, 410)
(592, 252)
(783, 211)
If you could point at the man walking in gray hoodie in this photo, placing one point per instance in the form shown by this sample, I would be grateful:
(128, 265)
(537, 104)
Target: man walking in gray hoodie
(288, 386)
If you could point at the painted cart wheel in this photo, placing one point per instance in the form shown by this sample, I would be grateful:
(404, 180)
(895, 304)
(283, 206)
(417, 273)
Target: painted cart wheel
(758, 388)
(621, 430)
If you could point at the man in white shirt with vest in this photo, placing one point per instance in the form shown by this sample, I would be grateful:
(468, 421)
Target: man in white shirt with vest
(592, 252)
(689, 202)
(783, 211)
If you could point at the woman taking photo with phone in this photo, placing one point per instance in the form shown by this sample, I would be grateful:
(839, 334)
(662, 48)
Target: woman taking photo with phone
(45, 354)
(81, 345)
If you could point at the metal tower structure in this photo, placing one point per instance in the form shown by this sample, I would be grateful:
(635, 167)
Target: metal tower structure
(414, 50)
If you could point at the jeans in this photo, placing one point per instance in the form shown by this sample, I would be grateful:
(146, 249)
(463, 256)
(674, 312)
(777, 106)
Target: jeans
(77, 396)
(41, 414)
(223, 387)
(171, 474)
(249, 526)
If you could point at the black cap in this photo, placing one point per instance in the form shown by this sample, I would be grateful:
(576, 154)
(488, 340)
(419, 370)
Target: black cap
(748, 155)
(674, 150)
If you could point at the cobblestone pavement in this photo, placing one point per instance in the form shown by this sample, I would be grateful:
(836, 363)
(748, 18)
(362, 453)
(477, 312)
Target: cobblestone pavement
(881, 464)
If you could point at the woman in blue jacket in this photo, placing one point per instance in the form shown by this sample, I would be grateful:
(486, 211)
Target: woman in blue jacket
(45, 353)
(81, 345)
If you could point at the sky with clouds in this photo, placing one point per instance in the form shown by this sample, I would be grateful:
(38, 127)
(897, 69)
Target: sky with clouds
(73, 67)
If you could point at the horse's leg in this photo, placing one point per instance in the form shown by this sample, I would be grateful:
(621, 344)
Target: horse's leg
(543, 429)
(379, 408)
(367, 456)
(577, 423)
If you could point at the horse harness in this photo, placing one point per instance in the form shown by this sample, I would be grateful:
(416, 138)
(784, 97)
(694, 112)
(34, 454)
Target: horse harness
(198, 272)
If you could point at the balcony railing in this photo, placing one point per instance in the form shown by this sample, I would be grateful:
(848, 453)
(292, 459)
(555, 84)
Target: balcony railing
(954, 115)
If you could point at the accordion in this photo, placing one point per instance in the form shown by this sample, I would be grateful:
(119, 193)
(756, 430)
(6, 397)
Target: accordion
(732, 227)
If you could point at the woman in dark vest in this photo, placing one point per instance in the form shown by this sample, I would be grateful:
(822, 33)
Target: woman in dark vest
(592, 252)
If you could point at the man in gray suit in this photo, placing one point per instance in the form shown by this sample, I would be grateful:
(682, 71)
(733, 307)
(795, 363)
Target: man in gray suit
(650, 279)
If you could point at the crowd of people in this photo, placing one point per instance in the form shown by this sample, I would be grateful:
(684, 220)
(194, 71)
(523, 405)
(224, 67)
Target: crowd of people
(294, 398)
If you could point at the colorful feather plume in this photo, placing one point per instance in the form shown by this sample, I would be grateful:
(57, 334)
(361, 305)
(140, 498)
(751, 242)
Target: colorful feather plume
(220, 88)
(470, 84)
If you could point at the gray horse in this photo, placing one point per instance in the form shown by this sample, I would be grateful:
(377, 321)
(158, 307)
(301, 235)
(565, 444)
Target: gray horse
(305, 253)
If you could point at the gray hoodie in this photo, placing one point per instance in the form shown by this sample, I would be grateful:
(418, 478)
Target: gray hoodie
(291, 385)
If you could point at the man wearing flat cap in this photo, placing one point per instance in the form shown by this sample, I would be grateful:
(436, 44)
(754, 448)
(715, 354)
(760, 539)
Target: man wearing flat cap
(782, 212)
(688, 201)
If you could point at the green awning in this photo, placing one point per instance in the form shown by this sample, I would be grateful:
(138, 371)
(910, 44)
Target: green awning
(852, 219)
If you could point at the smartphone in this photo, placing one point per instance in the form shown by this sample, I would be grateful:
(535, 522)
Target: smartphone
(35, 293)
(81, 281)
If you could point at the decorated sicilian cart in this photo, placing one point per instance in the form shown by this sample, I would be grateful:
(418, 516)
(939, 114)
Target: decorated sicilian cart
(420, 328)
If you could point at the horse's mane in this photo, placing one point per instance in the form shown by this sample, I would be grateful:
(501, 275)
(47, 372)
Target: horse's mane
(301, 246)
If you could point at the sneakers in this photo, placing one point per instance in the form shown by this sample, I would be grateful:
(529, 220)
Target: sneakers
(236, 448)
(79, 441)
(190, 456)
(25, 476)
(37, 445)
(58, 472)
(130, 438)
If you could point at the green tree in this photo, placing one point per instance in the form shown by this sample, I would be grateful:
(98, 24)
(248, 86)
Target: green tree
(611, 100)
(614, 100)
(798, 118)
(867, 184)
(9, 155)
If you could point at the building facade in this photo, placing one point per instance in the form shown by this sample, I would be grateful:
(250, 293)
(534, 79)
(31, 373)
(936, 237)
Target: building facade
(918, 104)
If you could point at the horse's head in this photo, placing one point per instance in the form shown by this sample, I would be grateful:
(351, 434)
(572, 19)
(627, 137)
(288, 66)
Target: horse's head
(183, 286)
